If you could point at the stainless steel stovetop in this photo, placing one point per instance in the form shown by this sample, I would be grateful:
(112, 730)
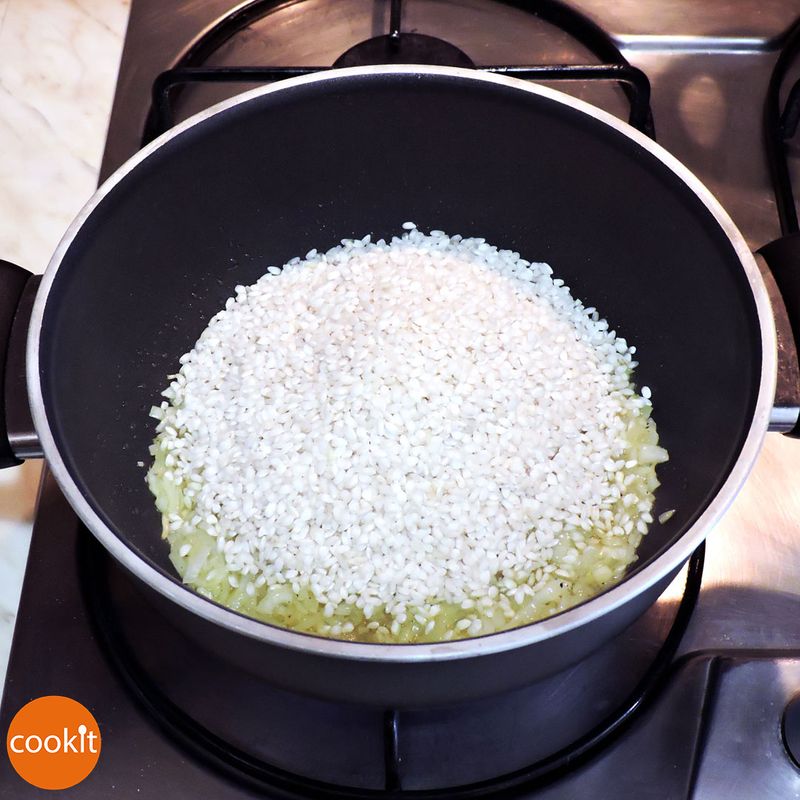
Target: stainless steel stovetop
(708, 64)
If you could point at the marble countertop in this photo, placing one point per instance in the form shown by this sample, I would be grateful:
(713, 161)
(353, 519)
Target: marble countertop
(58, 69)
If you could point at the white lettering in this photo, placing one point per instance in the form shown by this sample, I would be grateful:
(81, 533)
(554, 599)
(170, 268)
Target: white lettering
(53, 743)
(69, 743)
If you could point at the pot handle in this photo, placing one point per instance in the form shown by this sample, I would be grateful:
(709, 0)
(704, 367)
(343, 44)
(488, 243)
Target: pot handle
(783, 259)
(18, 438)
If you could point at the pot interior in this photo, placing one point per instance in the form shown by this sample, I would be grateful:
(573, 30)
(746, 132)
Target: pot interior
(306, 166)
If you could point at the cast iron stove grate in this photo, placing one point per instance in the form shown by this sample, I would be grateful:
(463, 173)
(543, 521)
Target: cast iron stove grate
(408, 48)
(780, 127)
(255, 773)
(396, 46)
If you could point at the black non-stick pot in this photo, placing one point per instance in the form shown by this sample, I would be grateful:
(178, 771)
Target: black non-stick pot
(306, 162)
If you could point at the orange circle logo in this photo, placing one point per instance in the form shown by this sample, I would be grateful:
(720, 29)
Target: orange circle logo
(53, 742)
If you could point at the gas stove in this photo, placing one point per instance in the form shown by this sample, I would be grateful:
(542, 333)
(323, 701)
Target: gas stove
(691, 701)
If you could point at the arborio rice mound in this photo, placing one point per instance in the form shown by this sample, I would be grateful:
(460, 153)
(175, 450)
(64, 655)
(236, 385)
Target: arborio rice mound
(411, 441)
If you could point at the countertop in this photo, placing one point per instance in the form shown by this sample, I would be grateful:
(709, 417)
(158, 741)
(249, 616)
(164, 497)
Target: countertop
(58, 68)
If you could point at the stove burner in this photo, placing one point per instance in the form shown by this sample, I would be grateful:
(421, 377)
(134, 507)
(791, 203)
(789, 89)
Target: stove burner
(401, 47)
(408, 48)
(780, 126)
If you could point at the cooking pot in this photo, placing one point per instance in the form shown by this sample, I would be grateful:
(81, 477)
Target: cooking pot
(303, 163)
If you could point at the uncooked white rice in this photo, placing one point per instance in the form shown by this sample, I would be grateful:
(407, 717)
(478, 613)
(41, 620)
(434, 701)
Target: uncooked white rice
(408, 441)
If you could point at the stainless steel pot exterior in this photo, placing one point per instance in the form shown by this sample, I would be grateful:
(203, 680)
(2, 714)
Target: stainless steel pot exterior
(397, 674)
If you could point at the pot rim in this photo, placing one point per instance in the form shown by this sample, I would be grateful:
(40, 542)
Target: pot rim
(670, 560)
